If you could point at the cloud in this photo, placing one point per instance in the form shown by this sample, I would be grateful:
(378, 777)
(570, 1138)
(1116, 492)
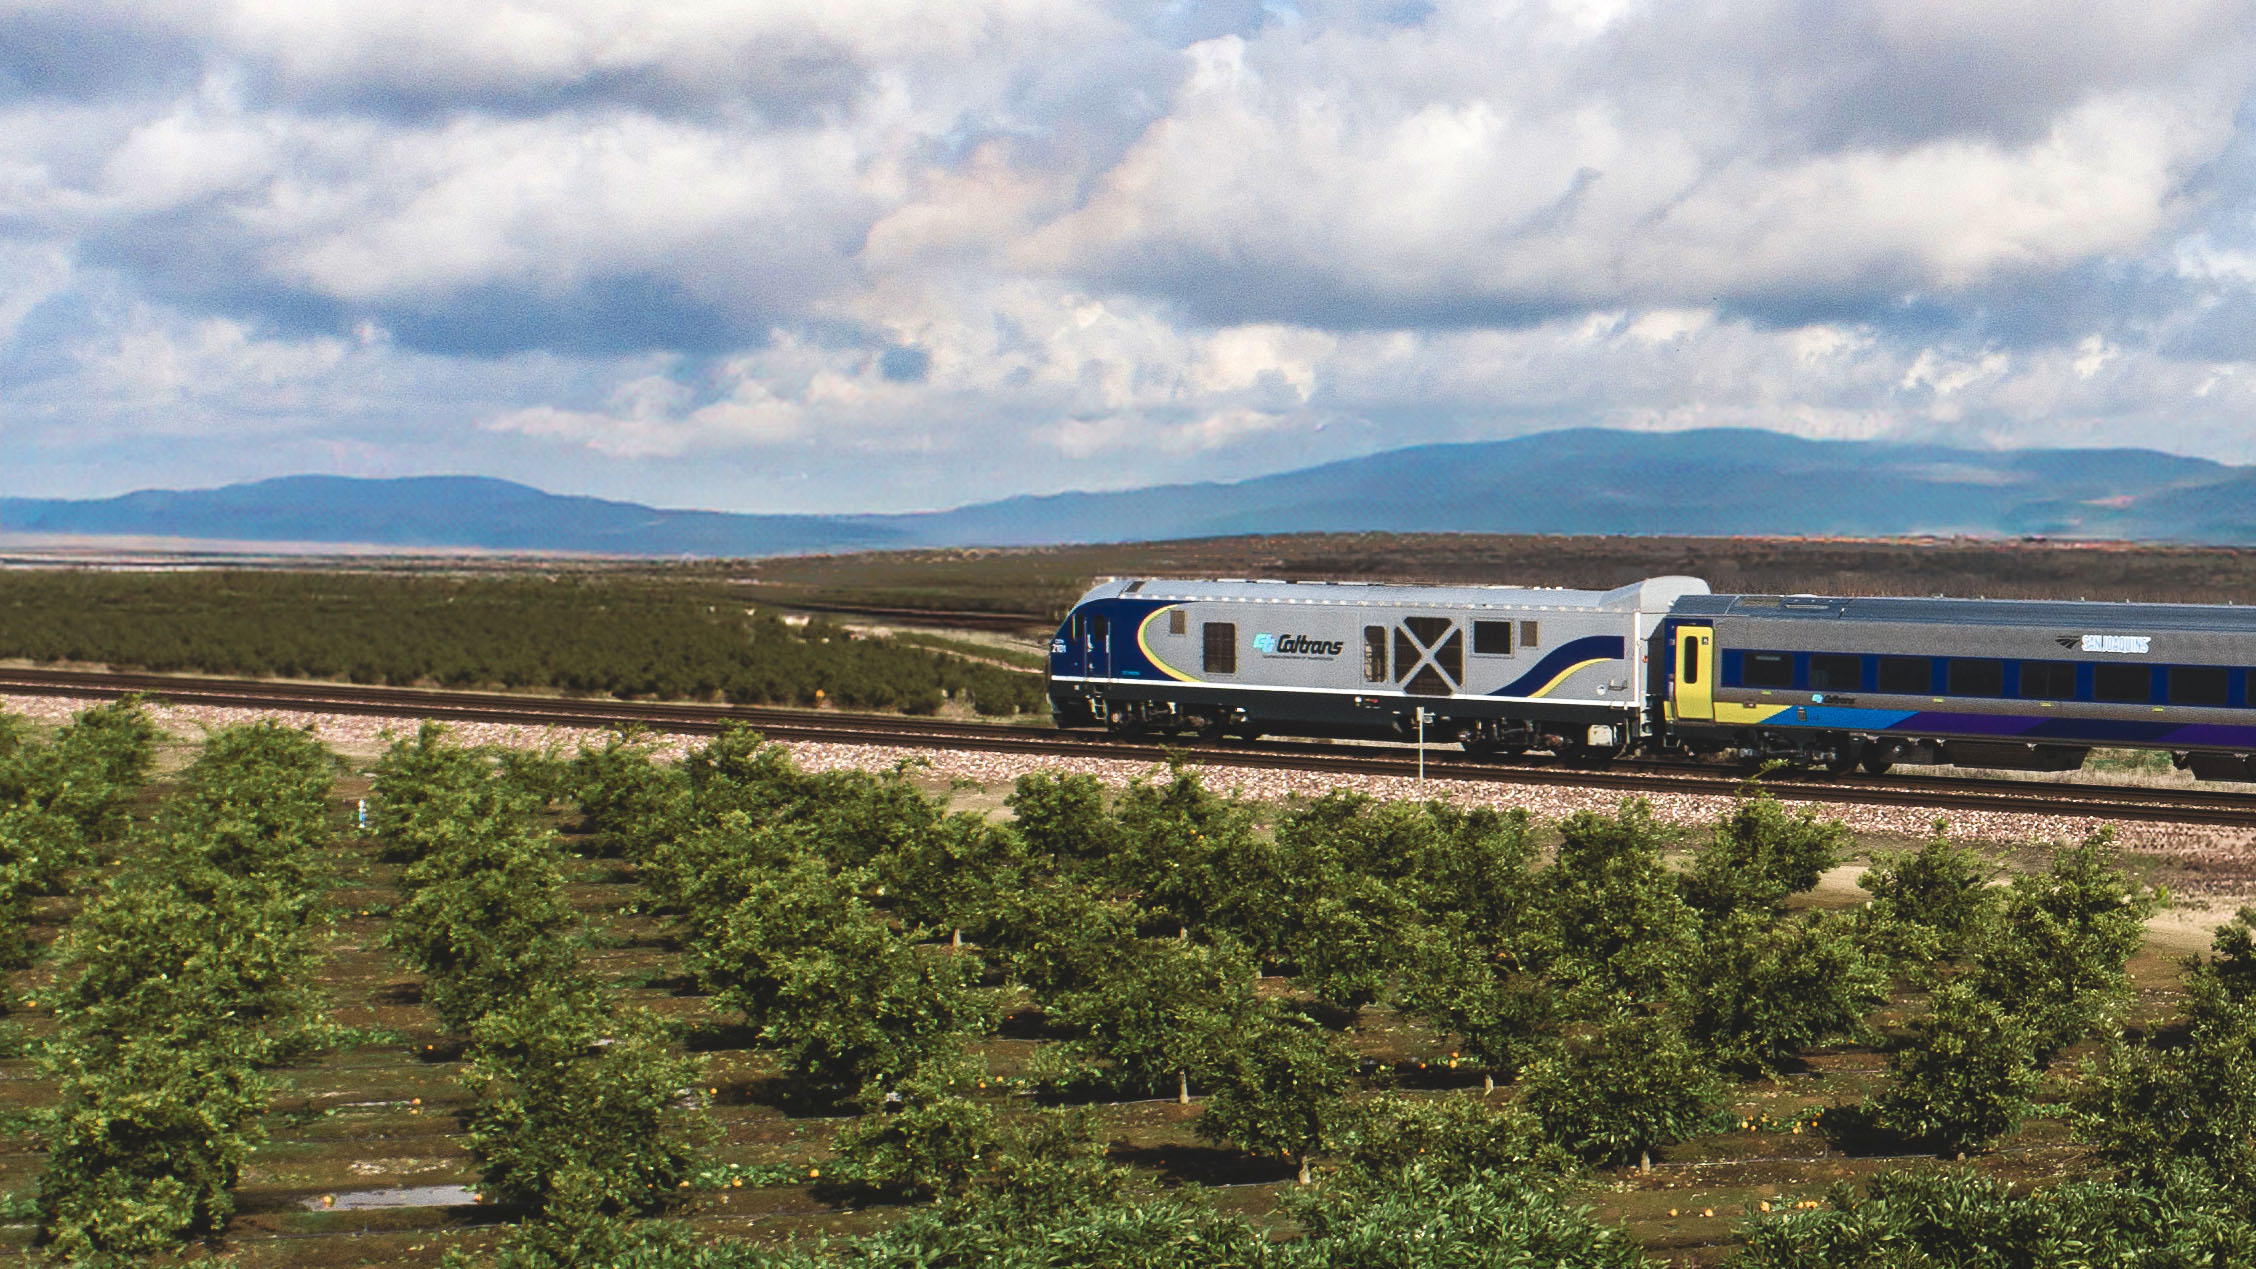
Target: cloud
(875, 253)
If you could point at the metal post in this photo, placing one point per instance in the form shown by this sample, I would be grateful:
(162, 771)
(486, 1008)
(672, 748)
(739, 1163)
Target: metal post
(1421, 746)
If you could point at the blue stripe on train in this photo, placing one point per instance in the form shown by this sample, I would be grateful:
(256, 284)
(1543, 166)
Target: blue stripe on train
(1587, 648)
(2052, 728)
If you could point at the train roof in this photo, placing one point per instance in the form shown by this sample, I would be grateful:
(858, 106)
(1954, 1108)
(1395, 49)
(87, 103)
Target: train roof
(2047, 613)
(1654, 594)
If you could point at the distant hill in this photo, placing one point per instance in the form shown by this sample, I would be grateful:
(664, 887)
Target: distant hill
(1580, 481)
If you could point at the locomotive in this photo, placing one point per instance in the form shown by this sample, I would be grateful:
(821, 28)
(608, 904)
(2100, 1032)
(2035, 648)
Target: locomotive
(1664, 666)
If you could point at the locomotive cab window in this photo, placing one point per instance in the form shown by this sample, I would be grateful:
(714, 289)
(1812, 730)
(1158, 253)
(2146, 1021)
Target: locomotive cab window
(2199, 685)
(1975, 676)
(1374, 654)
(2048, 680)
(1836, 672)
(1098, 628)
(1178, 621)
(1906, 676)
(1492, 638)
(1767, 669)
(1221, 647)
(2123, 684)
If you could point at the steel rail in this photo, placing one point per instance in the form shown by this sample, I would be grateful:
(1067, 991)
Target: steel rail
(1939, 792)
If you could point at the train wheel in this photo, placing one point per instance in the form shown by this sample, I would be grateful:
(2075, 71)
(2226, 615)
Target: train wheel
(1844, 759)
(1874, 764)
(1249, 734)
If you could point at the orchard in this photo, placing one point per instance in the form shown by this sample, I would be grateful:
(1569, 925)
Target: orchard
(726, 1011)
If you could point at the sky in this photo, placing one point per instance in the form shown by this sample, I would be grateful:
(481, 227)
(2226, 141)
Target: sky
(879, 255)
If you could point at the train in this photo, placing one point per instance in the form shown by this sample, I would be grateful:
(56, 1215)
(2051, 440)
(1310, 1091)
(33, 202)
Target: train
(1664, 666)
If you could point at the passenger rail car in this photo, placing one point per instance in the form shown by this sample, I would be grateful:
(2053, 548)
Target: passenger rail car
(1498, 669)
(2027, 685)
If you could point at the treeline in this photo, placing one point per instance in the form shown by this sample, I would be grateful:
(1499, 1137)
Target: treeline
(626, 637)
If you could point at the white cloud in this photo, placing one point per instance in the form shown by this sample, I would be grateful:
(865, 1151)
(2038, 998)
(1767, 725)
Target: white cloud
(937, 253)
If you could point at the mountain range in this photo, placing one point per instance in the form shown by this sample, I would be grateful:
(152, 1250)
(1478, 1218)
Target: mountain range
(1579, 481)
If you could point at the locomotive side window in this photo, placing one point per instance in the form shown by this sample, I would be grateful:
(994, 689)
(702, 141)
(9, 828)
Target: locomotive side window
(1492, 638)
(1836, 672)
(1374, 654)
(1975, 676)
(1178, 621)
(1906, 676)
(2199, 684)
(2048, 681)
(2123, 684)
(1767, 669)
(1527, 634)
(1221, 647)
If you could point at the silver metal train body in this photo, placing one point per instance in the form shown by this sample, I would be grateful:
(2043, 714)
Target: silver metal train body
(1494, 668)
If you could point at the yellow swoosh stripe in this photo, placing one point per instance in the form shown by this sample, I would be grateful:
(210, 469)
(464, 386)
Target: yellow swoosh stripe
(1561, 676)
(1153, 657)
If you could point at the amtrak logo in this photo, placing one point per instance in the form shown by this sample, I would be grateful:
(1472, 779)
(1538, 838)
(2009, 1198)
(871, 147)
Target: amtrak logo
(2121, 645)
(1292, 645)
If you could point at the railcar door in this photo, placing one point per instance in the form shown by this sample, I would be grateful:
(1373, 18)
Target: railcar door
(1100, 646)
(1695, 673)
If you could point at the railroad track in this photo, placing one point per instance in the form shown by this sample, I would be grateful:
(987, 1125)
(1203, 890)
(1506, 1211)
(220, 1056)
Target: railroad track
(2187, 806)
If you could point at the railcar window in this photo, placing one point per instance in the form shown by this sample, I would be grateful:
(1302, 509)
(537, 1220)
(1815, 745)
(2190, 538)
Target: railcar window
(1975, 676)
(1835, 672)
(1221, 647)
(2123, 684)
(2199, 685)
(1492, 638)
(1527, 634)
(1451, 656)
(1374, 654)
(1692, 660)
(1178, 622)
(1767, 669)
(1906, 676)
(2048, 680)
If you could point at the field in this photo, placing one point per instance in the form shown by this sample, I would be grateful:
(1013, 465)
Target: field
(384, 1105)
(1038, 584)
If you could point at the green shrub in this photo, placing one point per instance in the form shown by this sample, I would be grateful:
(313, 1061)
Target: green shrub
(1423, 1218)
(1931, 904)
(1759, 854)
(1633, 1086)
(2061, 940)
(1966, 1077)
(1957, 1217)
(1766, 987)
(1625, 932)
(580, 1109)
(1277, 1090)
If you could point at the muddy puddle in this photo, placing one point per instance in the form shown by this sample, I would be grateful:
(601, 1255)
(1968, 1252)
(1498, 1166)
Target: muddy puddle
(397, 1196)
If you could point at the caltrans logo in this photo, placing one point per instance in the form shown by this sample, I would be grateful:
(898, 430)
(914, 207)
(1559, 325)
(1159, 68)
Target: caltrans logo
(1293, 645)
